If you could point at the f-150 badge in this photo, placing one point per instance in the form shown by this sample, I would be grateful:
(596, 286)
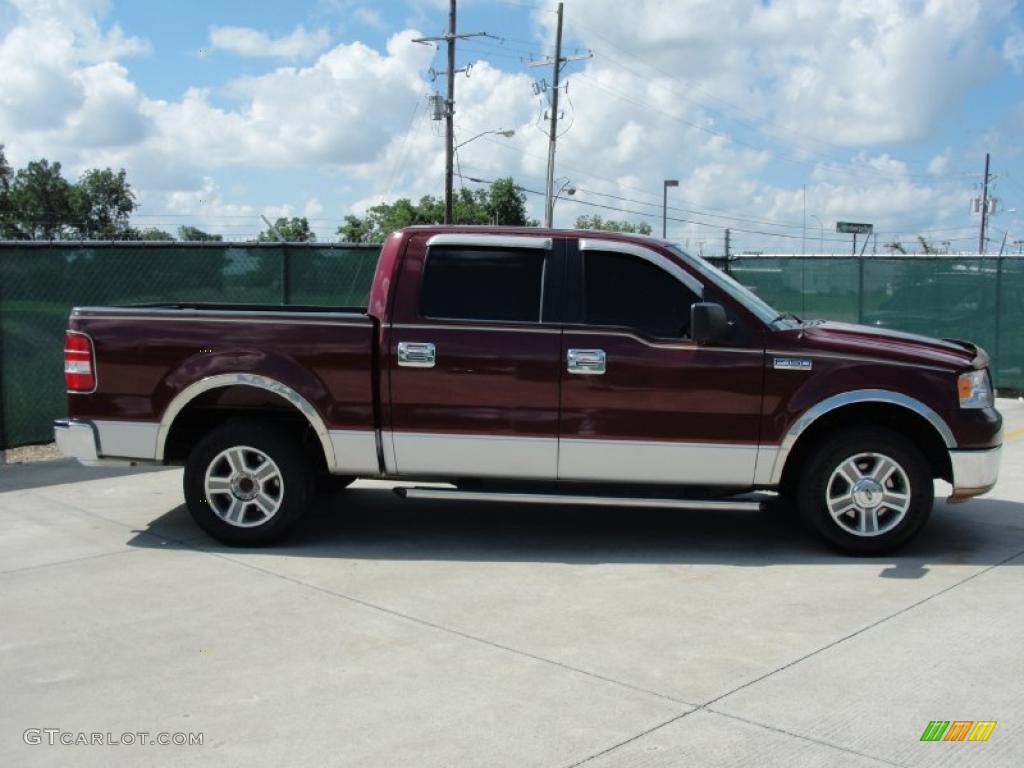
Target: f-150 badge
(793, 364)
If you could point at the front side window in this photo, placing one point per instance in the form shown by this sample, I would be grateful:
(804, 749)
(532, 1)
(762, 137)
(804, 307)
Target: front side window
(622, 290)
(483, 284)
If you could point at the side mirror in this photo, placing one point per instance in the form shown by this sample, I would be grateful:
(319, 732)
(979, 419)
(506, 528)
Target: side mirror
(708, 324)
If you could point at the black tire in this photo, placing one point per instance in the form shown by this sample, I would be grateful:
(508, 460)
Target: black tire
(334, 483)
(871, 525)
(287, 491)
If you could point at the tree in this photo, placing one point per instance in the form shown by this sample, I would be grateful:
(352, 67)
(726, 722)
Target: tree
(896, 247)
(355, 230)
(103, 202)
(293, 230)
(6, 174)
(195, 235)
(507, 204)
(153, 234)
(502, 203)
(7, 228)
(596, 222)
(42, 202)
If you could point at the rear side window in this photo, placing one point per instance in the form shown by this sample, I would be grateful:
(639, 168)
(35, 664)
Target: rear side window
(621, 290)
(483, 284)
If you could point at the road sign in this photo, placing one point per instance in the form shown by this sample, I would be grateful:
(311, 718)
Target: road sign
(852, 228)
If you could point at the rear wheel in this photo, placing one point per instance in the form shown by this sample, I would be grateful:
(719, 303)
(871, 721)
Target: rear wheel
(247, 483)
(866, 490)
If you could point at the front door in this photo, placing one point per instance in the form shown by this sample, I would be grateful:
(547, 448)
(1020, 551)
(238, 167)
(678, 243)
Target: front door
(474, 358)
(641, 402)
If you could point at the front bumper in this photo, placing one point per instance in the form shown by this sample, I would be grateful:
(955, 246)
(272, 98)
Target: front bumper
(974, 472)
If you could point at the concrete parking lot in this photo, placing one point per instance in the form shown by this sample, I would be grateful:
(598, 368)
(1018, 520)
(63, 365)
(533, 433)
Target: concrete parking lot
(394, 633)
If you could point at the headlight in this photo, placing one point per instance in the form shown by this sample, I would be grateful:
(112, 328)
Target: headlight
(975, 389)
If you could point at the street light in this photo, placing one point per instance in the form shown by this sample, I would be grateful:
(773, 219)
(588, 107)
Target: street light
(508, 133)
(821, 234)
(567, 187)
(664, 205)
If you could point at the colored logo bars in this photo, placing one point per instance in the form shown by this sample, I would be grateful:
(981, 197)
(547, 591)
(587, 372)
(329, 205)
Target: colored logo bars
(958, 730)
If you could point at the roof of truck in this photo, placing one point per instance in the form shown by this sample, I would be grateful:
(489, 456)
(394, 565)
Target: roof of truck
(532, 231)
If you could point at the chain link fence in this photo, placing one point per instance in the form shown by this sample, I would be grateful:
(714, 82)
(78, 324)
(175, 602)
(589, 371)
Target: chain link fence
(41, 282)
(980, 298)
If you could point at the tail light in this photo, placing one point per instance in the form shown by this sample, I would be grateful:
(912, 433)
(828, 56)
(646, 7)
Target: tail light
(79, 363)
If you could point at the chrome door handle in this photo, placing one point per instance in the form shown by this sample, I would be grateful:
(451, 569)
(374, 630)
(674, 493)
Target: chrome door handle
(586, 361)
(415, 354)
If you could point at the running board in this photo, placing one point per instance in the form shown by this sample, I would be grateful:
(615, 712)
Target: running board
(591, 501)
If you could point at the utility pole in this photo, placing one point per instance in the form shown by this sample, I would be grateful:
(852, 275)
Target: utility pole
(449, 117)
(556, 70)
(984, 209)
(449, 112)
(727, 244)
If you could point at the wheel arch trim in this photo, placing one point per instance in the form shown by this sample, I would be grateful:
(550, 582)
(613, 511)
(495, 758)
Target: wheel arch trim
(856, 397)
(219, 381)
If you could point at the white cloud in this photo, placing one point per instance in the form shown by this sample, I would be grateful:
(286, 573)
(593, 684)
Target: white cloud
(245, 41)
(849, 73)
(939, 164)
(791, 82)
(369, 16)
(1013, 49)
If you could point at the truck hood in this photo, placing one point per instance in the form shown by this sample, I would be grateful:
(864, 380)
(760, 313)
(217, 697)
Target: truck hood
(882, 343)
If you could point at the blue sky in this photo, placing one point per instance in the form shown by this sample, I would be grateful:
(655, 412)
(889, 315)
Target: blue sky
(881, 110)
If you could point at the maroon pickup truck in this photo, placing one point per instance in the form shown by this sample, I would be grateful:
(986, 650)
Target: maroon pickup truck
(535, 366)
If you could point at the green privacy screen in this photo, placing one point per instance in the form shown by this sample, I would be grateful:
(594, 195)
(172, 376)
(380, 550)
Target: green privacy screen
(979, 298)
(40, 283)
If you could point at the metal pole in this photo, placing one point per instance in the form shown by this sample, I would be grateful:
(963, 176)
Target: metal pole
(549, 203)
(854, 251)
(803, 231)
(997, 313)
(860, 287)
(664, 211)
(984, 209)
(664, 205)
(449, 116)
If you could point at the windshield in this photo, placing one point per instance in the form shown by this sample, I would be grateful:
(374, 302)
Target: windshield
(764, 311)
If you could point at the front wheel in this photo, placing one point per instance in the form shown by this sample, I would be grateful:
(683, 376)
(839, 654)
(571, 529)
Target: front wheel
(247, 483)
(866, 491)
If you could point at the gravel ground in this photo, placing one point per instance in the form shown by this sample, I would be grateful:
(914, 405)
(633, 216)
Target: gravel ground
(29, 453)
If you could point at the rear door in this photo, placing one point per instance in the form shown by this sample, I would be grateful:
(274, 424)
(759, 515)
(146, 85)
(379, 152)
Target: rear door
(641, 402)
(475, 357)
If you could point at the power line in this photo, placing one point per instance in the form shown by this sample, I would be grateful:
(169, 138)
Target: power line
(756, 126)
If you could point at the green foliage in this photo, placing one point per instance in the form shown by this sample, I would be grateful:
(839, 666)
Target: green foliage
(6, 174)
(610, 225)
(293, 230)
(196, 235)
(103, 202)
(7, 228)
(153, 234)
(38, 203)
(502, 203)
(42, 202)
